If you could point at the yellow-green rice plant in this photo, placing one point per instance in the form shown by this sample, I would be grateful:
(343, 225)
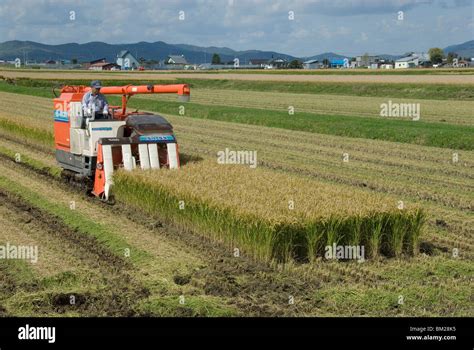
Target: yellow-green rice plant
(374, 232)
(414, 231)
(395, 230)
(315, 240)
(248, 209)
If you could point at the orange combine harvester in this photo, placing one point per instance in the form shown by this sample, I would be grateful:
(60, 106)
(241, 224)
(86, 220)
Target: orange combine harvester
(90, 150)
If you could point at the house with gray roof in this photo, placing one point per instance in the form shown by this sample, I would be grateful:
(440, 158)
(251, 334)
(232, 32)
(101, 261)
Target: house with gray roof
(407, 62)
(412, 61)
(176, 60)
(126, 60)
(313, 64)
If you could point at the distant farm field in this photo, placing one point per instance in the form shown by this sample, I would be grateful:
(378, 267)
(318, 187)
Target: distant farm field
(235, 247)
(453, 112)
(336, 78)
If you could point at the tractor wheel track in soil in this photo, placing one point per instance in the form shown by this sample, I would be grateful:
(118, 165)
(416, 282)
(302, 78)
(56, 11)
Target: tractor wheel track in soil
(39, 148)
(121, 286)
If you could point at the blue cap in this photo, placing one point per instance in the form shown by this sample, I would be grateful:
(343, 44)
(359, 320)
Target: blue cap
(96, 84)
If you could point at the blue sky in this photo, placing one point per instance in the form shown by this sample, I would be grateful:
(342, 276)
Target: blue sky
(348, 27)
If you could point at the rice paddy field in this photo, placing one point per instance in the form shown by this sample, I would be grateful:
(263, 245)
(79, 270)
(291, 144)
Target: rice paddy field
(218, 239)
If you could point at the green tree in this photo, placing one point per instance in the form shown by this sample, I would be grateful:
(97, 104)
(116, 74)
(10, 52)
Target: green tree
(74, 61)
(451, 56)
(295, 64)
(326, 62)
(365, 60)
(216, 59)
(436, 55)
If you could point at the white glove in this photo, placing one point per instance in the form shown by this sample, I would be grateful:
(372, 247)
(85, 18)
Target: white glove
(87, 127)
(105, 112)
(89, 111)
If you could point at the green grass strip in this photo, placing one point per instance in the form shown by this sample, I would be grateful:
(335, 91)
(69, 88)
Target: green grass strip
(43, 137)
(26, 90)
(42, 87)
(17, 271)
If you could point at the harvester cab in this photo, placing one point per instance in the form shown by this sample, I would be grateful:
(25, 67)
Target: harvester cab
(90, 152)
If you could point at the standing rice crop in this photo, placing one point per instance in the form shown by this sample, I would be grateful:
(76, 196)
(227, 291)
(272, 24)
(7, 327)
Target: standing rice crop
(248, 209)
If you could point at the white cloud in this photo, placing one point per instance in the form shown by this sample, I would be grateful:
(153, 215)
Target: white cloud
(329, 25)
(363, 37)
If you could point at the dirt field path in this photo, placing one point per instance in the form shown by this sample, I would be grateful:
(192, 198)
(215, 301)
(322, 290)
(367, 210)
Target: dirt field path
(416, 79)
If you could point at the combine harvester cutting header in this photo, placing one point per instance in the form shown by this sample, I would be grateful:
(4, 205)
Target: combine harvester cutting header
(89, 150)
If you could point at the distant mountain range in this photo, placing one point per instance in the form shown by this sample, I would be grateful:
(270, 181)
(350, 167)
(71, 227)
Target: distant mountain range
(332, 55)
(326, 55)
(157, 51)
(160, 50)
(464, 50)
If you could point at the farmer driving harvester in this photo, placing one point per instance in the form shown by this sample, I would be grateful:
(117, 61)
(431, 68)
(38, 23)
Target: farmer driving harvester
(94, 104)
(90, 149)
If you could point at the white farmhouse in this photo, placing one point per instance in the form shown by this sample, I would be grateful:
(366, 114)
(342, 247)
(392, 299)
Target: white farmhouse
(413, 60)
(407, 62)
(312, 64)
(127, 61)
